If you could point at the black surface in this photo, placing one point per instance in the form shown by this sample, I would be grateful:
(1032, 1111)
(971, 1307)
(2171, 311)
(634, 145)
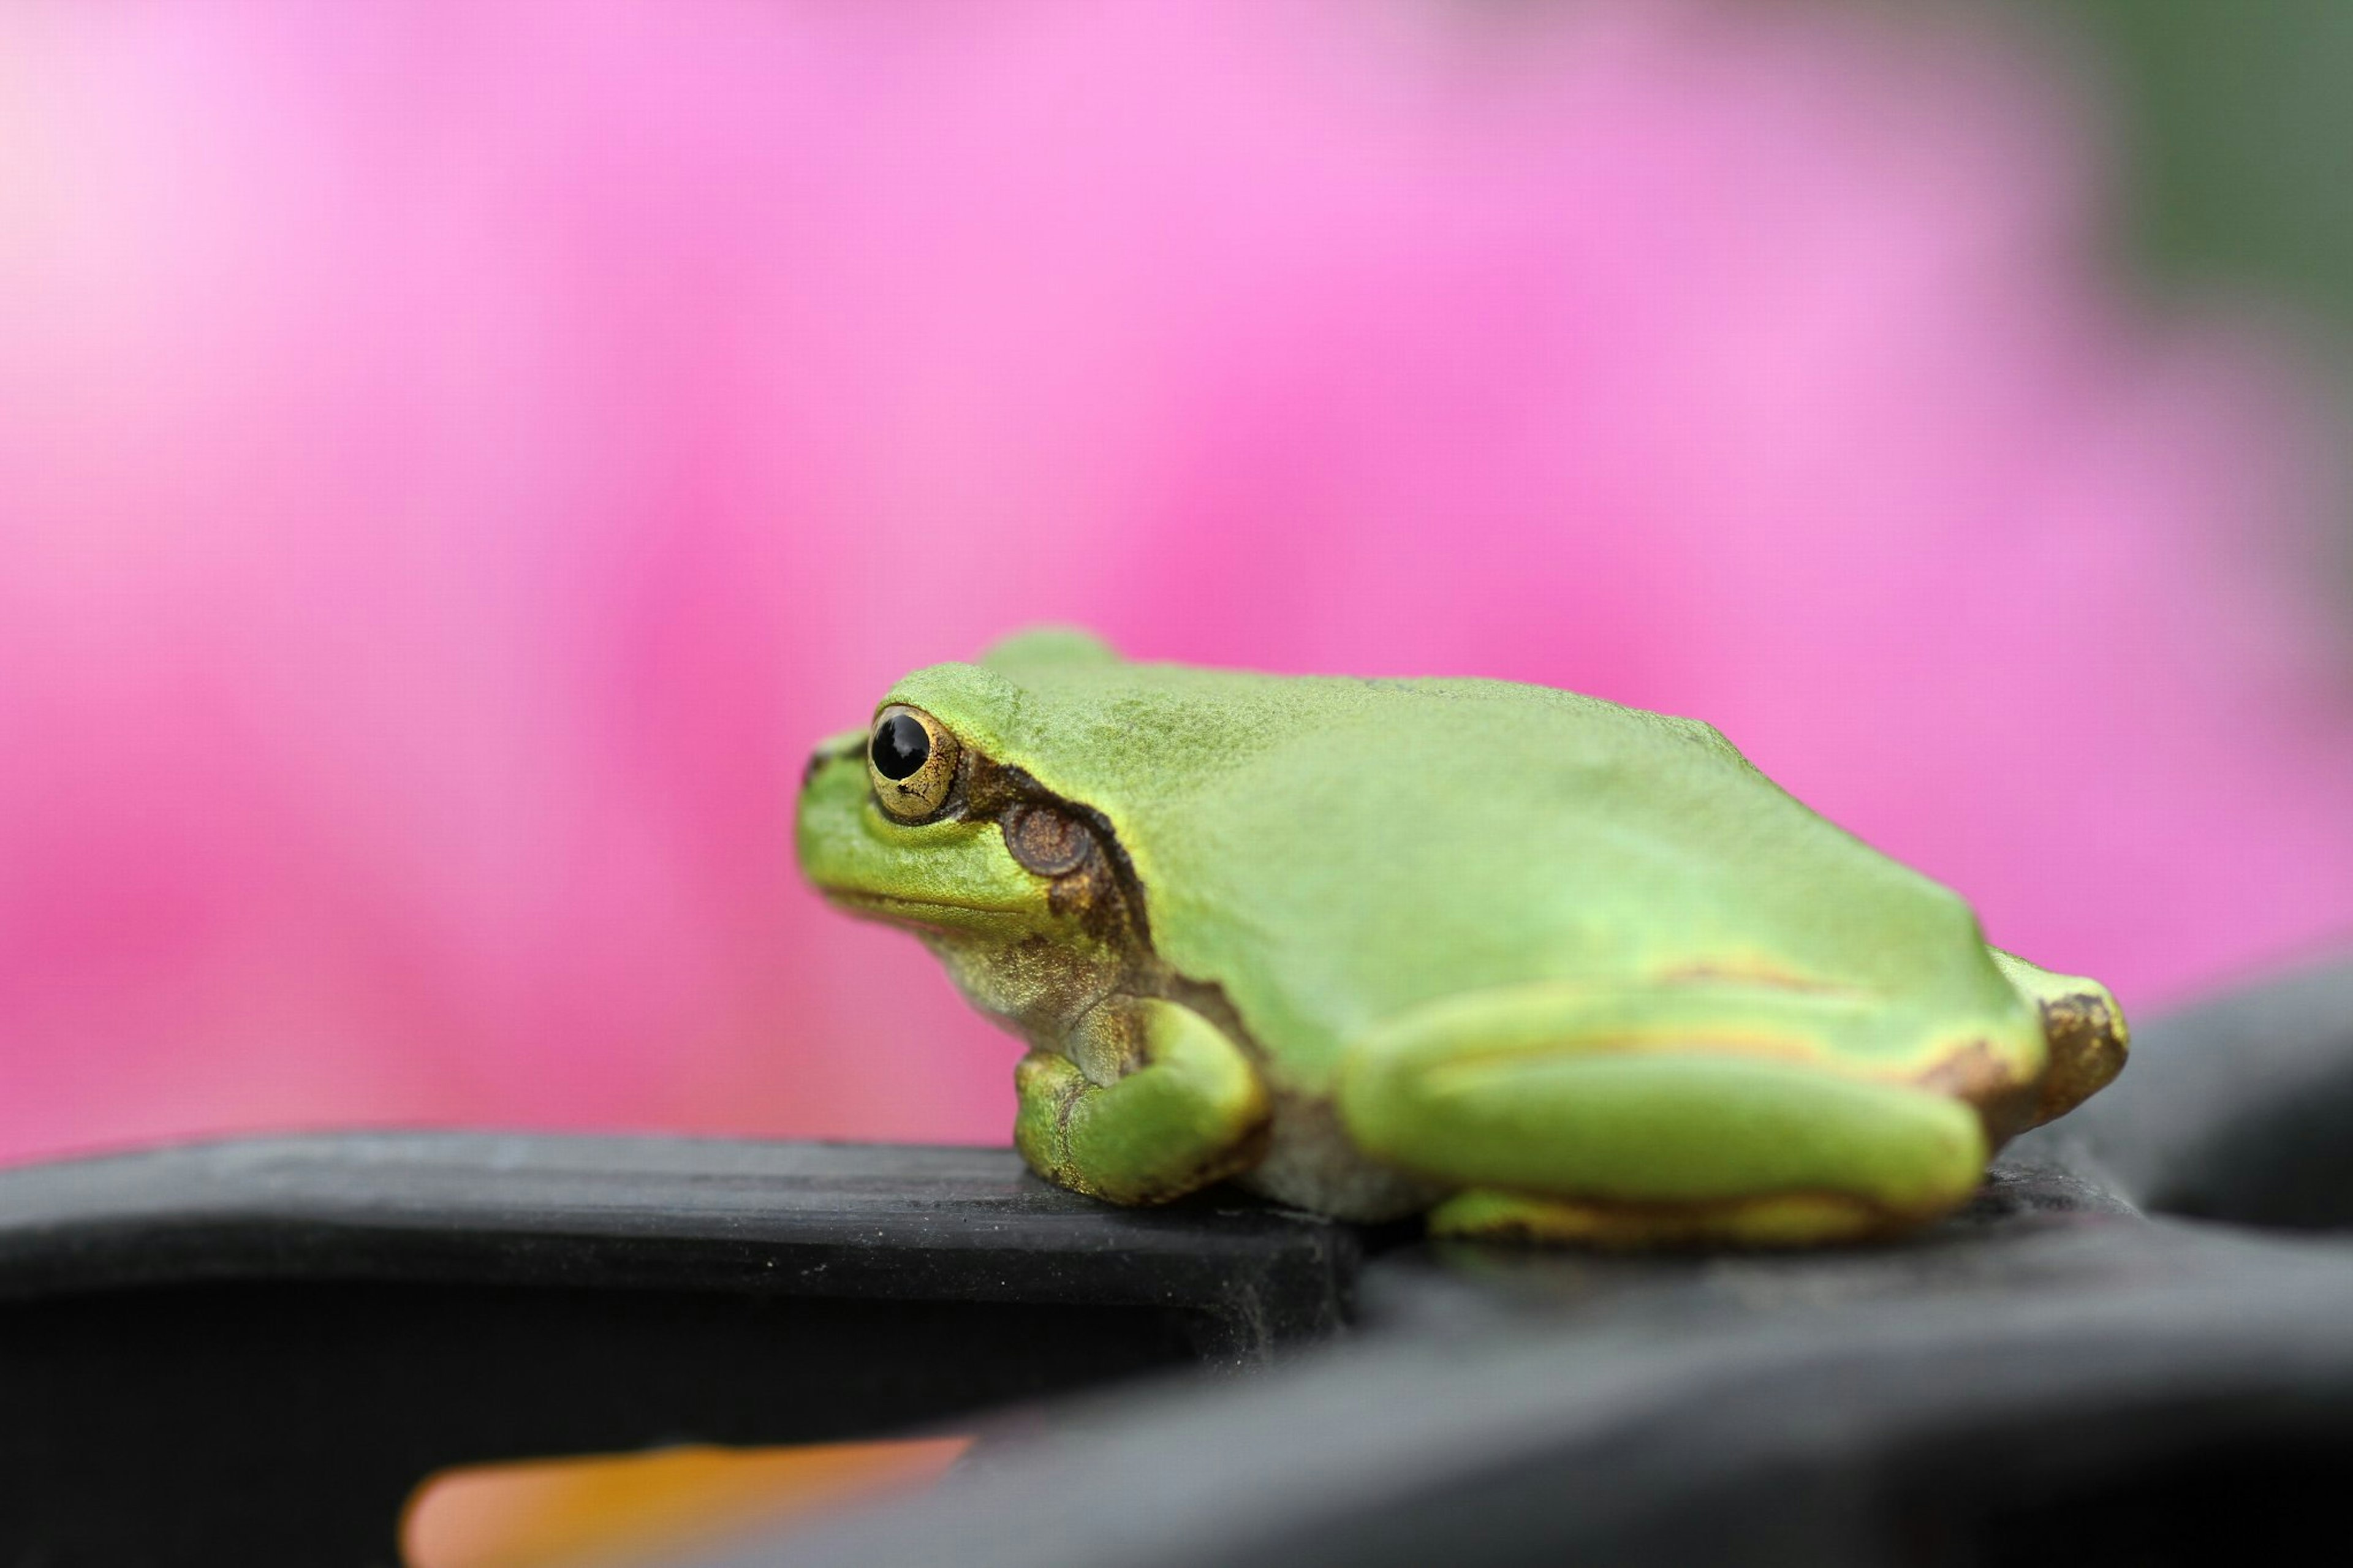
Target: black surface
(1898, 1427)
(252, 1352)
(804, 1219)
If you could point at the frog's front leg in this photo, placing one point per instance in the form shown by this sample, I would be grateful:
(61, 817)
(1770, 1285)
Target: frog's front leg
(1188, 1108)
(1641, 1117)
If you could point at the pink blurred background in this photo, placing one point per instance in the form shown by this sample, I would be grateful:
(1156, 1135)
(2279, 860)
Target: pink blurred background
(455, 459)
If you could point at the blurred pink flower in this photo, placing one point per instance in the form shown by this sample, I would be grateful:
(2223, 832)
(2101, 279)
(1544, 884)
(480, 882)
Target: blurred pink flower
(455, 458)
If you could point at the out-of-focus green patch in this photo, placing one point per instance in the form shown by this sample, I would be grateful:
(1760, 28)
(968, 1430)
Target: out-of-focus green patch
(2238, 121)
(2235, 122)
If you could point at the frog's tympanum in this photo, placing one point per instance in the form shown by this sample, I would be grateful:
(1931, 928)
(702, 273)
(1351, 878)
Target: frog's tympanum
(1540, 965)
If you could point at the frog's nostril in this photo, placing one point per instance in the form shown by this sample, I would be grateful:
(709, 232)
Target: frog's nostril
(816, 759)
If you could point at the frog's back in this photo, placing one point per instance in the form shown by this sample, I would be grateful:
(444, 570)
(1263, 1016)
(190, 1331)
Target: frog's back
(1332, 852)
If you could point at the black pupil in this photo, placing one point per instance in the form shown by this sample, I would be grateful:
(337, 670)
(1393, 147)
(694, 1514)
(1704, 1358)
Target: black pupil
(901, 746)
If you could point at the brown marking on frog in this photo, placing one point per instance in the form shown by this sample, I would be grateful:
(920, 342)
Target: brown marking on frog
(1979, 1077)
(2089, 1042)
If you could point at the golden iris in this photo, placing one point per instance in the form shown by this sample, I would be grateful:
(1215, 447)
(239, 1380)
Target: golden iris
(911, 758)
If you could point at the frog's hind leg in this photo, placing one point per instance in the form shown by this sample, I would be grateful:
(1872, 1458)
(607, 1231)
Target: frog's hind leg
(1649, 1118)
(2084, 1028)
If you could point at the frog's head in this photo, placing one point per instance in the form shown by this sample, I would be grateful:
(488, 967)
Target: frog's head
(936, 816)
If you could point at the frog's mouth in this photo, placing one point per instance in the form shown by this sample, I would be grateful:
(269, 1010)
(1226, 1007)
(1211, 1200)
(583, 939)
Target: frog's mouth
(926, 914)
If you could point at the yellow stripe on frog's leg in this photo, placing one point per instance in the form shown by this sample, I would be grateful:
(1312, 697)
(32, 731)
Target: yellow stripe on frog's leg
(1647, 1117)
(1191, 1112)
(1794, 1219)
(2085, 1027)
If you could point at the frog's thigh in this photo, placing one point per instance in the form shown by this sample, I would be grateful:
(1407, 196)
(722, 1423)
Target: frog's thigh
(1571, 1115)
(1191, 1112)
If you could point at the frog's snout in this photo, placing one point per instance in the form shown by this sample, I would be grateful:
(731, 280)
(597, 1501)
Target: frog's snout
(844, 748)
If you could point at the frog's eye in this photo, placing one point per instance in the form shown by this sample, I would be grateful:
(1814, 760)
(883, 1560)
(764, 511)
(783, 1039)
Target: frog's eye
(912, 760)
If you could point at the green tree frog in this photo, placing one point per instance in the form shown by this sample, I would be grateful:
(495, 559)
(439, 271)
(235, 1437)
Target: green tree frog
(1538, 965)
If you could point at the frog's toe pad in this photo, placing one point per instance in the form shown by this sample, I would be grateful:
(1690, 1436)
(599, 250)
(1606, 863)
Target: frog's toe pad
(1788, 1219)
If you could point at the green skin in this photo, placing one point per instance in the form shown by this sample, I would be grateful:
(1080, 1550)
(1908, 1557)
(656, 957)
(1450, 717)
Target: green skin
(1541, 966)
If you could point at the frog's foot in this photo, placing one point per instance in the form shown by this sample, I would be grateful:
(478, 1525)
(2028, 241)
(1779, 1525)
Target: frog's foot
(2084, 1028)
(1788, 1219)
(1191, 1112)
